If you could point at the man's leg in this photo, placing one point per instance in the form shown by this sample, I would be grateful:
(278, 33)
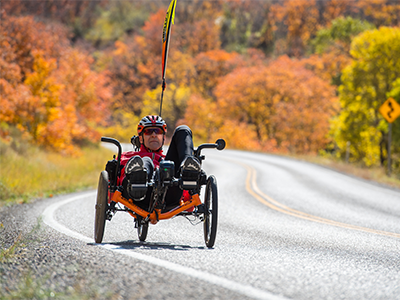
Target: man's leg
(181, 147)
(181, 152)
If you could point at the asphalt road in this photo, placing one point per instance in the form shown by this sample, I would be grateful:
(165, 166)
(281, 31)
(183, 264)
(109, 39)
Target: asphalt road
(287, 230)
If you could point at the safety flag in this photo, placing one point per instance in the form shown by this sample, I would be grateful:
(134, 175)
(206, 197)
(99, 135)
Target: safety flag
(169, 20)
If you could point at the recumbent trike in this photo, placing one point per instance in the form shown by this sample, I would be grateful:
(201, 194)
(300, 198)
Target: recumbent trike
(110, 198)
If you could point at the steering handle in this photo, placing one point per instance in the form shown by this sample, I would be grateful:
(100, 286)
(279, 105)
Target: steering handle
(118, 144)
(219, 145)
(112, 141)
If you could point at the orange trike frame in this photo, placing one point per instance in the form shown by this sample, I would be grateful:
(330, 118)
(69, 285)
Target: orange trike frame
(155, 215)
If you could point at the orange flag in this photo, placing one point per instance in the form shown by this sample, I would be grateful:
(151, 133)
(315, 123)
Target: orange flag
(169, 20)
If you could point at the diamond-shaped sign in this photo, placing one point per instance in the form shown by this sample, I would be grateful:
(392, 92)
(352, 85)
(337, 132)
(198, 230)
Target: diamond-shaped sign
(390, 110)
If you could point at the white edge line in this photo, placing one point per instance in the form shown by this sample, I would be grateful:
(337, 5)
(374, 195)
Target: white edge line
(246, 290)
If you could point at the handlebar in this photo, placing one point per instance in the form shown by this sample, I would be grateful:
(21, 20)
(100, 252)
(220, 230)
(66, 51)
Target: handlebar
(219, 145)
(118, 144)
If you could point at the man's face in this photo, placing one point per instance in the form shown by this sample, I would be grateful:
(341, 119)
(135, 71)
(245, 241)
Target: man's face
(152, 138)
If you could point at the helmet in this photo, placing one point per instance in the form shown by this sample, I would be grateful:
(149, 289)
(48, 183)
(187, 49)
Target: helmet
(151, 121)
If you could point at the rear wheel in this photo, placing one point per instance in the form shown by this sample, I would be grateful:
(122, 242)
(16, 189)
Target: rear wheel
(211, 212)
(101, 207)
(142, 228)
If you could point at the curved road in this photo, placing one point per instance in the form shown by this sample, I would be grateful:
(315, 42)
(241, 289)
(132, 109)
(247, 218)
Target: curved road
(287, 230)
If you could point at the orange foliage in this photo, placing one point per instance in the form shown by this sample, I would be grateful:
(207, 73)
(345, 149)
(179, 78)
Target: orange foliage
(287, 105)
(301, 20)
(382, 12)
(136, 65)
(48, 89)
(132, 73)
(197, 30)
(152, 33)
(200, 36)
(329, 65)
(66, 11)
(335, 9)
(208, 124)
(212, 65)
(22, 37)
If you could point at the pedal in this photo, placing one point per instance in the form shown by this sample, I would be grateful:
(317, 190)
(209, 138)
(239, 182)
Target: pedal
(189, 180)
(137, 185)
(137, 191)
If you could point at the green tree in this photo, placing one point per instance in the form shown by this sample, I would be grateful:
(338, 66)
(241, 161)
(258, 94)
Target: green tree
(332, 48)
(367, 83)
(339, 34)
(119, 18)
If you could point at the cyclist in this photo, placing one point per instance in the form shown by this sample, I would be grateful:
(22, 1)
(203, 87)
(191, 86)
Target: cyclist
(138, 166)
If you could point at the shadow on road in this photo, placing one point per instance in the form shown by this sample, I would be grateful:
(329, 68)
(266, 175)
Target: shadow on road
(130, 244)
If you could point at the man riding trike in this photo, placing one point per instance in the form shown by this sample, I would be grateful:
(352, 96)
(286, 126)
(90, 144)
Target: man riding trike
(151, 186)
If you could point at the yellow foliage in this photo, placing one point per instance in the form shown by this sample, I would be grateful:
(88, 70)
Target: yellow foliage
(174, 103)
(366, 85)
(122, 130)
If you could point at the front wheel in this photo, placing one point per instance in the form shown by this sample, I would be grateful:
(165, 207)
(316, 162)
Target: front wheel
(101, 207)
(142, 228)
(211, 212)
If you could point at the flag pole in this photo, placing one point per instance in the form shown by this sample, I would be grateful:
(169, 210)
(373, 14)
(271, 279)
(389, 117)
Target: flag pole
(162, 95)
(169, 20)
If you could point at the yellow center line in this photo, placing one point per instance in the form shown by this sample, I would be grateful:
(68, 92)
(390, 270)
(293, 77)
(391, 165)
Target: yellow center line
(252, 189)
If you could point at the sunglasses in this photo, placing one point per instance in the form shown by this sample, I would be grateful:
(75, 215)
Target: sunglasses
(150, 131)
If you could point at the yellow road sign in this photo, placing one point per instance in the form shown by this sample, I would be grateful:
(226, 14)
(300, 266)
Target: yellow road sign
(390, 110)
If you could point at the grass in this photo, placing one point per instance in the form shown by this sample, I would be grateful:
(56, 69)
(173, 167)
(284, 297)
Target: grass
(35, 173)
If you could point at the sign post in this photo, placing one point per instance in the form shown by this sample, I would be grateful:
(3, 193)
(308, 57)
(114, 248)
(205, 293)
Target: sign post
(390, 110)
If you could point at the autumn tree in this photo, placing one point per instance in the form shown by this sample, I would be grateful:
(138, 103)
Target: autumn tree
(299, 18)
(117, 19)
(367, 82)
(135, 64)
(197, 29)
(332, 47)
(208, 123)
(379, 12)
(246, 24)
(284, 105)
(49, 90)
(210, 67)
(333, 9)
(79, 14)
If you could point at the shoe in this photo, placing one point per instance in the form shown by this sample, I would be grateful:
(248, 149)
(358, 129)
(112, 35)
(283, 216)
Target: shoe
(190, 173)
(136, 175)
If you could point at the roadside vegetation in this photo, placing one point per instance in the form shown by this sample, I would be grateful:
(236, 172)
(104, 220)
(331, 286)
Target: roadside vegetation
(29, 172)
